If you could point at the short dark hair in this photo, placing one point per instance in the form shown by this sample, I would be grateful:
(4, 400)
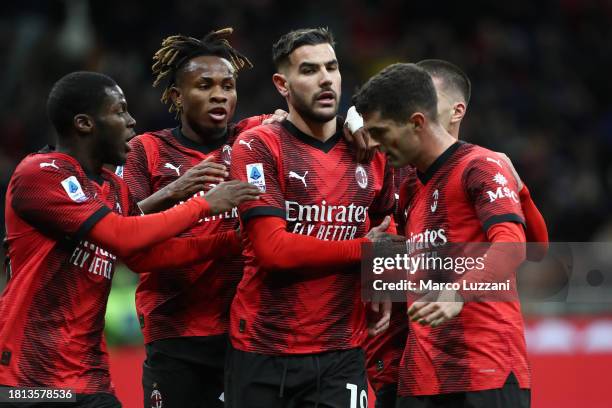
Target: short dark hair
(77, 92)
(397, 92)
(453, 76)
(297, 38)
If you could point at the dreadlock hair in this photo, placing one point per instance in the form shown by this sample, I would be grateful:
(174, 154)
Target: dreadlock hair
(177, 50)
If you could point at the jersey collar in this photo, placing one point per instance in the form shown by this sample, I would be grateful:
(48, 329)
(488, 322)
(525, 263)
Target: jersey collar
(326, 146)
(202, 148)
(438, 163)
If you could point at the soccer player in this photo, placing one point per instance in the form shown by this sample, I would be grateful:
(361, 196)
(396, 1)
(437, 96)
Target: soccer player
(453, 89)
(297, 320)
(184, 313)
(66, 227)
(456, 355)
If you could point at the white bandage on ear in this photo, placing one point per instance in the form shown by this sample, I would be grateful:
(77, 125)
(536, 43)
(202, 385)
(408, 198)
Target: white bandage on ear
(354, 121)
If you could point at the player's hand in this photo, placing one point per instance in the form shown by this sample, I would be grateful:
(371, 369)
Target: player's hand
(378, 234)
(514, 172)
(381, 308)
(196, 179)
(227, 195)
(360, 140)
(278, 116)
(447, 305)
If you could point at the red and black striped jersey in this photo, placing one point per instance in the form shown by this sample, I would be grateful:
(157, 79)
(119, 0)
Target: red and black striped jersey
(194, 300)
(463, 193)
(321, 191)
(52, 310)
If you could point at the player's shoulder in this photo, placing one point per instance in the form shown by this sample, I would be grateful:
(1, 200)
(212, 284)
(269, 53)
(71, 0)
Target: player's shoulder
(152, 137)
(481, 157)
(47, 161)
(268, 135)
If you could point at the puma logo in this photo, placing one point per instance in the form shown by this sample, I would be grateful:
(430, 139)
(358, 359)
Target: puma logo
(247, 144)
(52, 164)
(173, 167)
(293, 174)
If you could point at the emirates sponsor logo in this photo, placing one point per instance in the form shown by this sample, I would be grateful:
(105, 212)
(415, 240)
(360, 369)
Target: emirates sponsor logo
(94, 259)
(428, 239)
(325, 212)
(340, 222)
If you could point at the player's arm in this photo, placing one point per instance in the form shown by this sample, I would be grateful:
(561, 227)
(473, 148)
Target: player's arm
(201, 177)
(138, 177)
(384, 203)
(60, 202)
(536, 231)
(382, 208)
(125, 236)
(276, 249)
(180, 252)
(264, 221)
(490, 187)
(505, 255)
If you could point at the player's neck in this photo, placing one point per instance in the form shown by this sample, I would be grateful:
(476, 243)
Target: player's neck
(89, 162)
(454, 130)
(433, 148)
(316, 130)
(203, 136)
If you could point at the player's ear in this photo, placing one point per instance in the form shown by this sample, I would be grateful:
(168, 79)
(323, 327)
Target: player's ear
(459, 109)
(417, 120)
(175, 96)
(83, 123)
(280, 82)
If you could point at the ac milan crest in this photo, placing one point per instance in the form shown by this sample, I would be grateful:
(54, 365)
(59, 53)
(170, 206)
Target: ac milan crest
(361, 176)
(226, 154)
(156, 398)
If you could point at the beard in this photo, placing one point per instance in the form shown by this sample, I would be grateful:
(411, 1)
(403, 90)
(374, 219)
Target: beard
(306, 110)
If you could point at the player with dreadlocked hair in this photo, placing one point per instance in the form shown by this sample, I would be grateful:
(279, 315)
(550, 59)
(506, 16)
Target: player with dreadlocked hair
(176, 50)
(184, 313)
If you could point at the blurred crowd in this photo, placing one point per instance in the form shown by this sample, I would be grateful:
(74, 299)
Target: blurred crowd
(539, 72)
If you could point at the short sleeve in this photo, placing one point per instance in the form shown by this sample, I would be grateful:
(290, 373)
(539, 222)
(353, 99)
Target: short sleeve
(493, 191)
(136, 171)
(55, 198)
(384, 202)
(255, 162)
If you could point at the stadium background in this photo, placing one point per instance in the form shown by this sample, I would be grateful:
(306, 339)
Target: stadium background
(541, 87)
